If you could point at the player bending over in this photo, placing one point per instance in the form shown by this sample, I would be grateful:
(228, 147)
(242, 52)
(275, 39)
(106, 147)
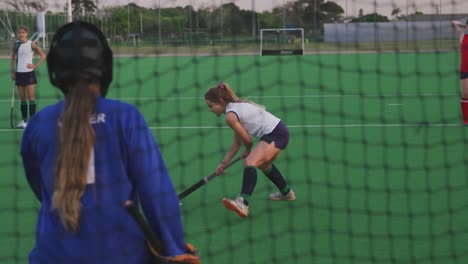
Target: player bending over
(247, 120)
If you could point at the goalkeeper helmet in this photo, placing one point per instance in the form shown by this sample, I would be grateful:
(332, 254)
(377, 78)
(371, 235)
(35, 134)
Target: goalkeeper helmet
(79, 48)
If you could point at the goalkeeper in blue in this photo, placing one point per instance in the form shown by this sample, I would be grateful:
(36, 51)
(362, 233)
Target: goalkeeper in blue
(86, 156)
(249, 120)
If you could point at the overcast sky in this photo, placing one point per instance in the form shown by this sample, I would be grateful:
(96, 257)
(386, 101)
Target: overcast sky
(351, 7)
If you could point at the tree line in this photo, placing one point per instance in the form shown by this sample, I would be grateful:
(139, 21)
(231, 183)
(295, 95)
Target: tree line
(224, 21)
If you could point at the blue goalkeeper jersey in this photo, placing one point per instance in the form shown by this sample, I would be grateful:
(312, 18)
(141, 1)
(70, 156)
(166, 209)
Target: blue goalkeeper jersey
(127, 166)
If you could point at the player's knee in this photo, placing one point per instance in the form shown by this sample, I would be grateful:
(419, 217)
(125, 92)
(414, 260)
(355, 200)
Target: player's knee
(252, 162)
(265, 166)
(249, 162)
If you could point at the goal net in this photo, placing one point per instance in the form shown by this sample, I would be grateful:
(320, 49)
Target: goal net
(196, 38)
(377, 154)
(282, 41)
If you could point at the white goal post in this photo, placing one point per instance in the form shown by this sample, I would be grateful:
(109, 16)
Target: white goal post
(281, 41)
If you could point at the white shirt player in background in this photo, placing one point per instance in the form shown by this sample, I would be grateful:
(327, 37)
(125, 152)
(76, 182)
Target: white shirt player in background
(22, 72)
(248, 120)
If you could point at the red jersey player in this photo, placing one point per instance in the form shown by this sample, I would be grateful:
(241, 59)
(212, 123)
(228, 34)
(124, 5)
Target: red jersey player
(462, 30)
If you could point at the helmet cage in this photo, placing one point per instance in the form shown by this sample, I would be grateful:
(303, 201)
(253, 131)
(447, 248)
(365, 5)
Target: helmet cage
(79, 48)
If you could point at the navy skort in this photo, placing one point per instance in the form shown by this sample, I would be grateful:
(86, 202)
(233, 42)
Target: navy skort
(25, 78)
(280, 135)
(463, 75)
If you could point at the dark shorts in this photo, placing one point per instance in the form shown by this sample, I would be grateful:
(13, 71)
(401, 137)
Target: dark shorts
(280, 135)
(25, 78)
(463, 75)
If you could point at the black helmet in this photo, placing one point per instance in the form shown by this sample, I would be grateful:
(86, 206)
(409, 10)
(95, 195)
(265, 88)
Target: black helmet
(79, 47)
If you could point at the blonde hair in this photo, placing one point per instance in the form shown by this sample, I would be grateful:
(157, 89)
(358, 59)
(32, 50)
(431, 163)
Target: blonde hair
(75, 143)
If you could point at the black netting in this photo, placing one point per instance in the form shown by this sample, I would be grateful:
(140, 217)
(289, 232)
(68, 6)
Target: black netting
(377, 155)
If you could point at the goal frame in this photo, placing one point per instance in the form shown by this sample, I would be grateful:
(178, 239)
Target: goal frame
(282, 51)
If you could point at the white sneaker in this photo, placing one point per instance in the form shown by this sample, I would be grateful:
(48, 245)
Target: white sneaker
(22, 124)
(290, 196)
(237, 206)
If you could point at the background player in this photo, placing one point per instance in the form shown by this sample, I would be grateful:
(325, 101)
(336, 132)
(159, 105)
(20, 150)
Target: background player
(463, 34)
(247, 120)
(23, 72)
(86, 156)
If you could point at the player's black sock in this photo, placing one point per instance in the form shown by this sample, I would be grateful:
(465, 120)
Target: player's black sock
(276, 178)
(32, 108)
(24, 110)
(248, 183)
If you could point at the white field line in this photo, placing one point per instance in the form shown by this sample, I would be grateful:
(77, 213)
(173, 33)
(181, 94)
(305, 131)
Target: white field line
(419, 125)
(287, 96)
(263, 96)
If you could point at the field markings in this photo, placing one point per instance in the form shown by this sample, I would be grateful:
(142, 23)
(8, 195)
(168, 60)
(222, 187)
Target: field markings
(419, 125)
(377, 95)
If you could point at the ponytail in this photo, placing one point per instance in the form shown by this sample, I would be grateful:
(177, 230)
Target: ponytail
(221, 92)
(75, 142)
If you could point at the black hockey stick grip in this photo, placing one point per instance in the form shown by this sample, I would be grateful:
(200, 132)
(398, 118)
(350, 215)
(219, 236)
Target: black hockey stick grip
(11, 118)
(147, 231)
(203, 181)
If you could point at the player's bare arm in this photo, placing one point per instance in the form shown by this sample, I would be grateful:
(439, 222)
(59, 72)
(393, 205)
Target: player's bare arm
(41, 53)
(12, 63)
(235, 146)
(233, 122)
(459, 26)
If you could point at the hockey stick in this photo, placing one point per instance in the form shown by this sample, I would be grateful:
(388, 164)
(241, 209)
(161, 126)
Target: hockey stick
(203, 181)
(148, 232)
(12, 113)
(12, 110)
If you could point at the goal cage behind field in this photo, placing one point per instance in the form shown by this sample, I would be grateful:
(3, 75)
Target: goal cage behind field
(282, 41)
(196, 37)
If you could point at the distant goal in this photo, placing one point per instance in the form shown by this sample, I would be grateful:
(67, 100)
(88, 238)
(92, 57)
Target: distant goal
(282, 41)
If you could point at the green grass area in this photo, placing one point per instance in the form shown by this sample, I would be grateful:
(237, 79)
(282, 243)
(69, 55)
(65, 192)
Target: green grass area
(377, 156)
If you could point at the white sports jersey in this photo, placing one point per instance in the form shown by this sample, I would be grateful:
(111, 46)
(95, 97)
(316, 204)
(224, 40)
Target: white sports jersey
(254, 119)
(24, 56)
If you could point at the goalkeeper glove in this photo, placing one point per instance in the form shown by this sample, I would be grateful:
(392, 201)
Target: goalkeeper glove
(189, 257)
